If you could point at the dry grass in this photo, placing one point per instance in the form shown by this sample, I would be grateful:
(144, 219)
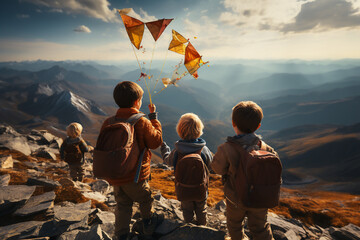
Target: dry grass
(16, 178)
(312, 207)
(321, 208)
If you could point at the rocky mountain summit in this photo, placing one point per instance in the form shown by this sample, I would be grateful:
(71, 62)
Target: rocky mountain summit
(39, 201)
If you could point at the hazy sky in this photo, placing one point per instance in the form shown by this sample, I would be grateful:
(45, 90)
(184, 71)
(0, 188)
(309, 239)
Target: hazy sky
(219, 29)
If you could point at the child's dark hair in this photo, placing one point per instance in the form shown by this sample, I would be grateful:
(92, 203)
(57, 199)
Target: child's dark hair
(247, 116)
(126, 93)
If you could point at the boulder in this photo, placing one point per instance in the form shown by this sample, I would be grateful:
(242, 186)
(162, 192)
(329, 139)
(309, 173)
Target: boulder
(44, 137)
(106, 220)
(4, 180)
(67, 218)
(101, 186)
(69, 235)
(45, 153)
(221, 206)
(349, 232)
(193, 232)
(284, 225)
(95, 233)
(21, 230)
(95, 196)
(6, 161)
(73, 213)
(43, 182)
(10, 139)
(5, 129)
(55, 228)
(56, 143)
(13, 196)
(37, 204)
(38, 238)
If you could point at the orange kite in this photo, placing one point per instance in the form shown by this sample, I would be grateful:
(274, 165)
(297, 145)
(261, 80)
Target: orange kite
(192, 60)
(157, 27)
(134, 28)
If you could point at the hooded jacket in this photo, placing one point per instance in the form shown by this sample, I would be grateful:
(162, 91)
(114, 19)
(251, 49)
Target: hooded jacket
(227, 159)
(169, 156)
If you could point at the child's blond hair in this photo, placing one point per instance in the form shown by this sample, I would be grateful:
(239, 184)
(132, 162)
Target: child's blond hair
(189, 126)
(74, 130)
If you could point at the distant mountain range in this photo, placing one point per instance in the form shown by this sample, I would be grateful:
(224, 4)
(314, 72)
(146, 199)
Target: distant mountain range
(310, 108)
(325, 152)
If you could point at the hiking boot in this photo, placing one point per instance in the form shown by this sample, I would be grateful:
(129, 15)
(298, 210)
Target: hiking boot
(149, 225)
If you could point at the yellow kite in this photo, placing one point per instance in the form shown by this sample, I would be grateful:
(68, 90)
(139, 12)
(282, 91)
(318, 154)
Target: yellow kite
(177, 43)
(134, 28)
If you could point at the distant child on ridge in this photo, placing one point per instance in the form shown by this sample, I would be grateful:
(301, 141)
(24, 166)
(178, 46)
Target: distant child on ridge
(229, 162)
(189, 129)
(72, 150)
(133, 186)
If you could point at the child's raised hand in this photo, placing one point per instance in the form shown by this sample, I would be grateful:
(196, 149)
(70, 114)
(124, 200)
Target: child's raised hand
(152, 108)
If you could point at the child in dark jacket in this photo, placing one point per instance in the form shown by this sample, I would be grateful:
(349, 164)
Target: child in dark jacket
(189, 128)
(246, 119)
(72, 151)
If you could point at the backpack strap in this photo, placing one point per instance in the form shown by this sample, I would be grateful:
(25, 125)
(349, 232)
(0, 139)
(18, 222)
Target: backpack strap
(239, 149)
(132, 119)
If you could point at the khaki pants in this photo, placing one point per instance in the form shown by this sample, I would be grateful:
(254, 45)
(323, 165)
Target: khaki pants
(257, 222)
(125, 196)
(77, 171)
(199, 207)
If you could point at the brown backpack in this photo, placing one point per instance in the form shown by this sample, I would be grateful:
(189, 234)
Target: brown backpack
(72, 152)
(258, 178)
(117, 151)
(191, 177)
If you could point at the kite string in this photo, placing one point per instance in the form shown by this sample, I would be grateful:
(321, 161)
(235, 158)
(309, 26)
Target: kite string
(141, 72)
(136, 57)
(152, 56)
(147, 87)
(160, 91)
(162, 68)
(157, 80)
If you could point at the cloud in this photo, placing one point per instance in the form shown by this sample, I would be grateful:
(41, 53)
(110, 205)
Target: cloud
(22, 16)
(56, 10)
(19, 50)
(291, 15)
(143, 16)
(322, 15)
(255, 14)
(83, 29)
(99, 9)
